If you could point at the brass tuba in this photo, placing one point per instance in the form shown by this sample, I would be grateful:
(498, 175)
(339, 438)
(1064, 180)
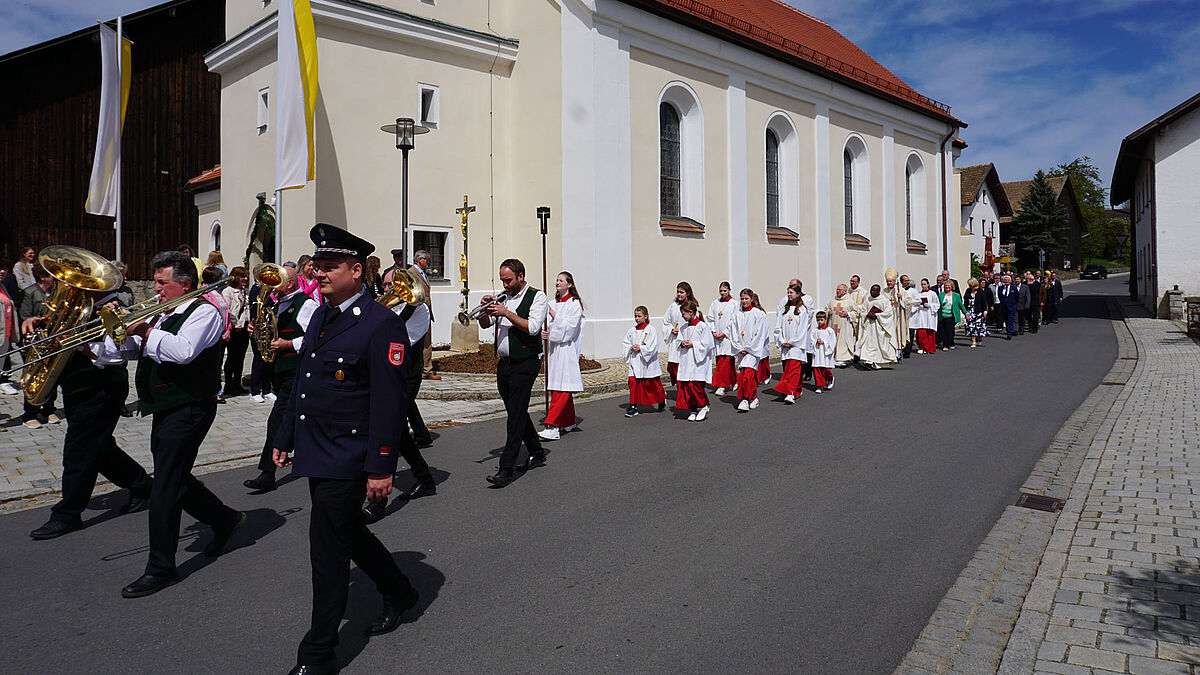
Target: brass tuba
(76, 271)
(405, 288)
(266, 325)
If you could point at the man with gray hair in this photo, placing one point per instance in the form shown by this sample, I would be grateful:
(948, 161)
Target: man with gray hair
(421, 260)
(179, 373)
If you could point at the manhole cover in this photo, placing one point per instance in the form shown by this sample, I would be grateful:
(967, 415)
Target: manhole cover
(1040, 502)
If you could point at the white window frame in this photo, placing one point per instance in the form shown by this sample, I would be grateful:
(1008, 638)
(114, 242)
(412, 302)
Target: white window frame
(918, 191)
(789, 170)
(449, 259)
(432, 120)
(691, 148)
(214, 236)
(264, 109)
(860, 187)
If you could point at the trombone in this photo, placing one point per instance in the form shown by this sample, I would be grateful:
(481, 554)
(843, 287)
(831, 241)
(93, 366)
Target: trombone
(115, 325)
(149, 302)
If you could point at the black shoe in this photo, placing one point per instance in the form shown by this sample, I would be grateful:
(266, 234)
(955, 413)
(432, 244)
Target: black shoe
(631, 411)
(264, 482)
(1008, 337)
(148, 584)
(394, 607)
(534, 461)
(374, 511)
(126, 412)
(662, 406)
(222, 536)
(314, 670)
(420, 489)
(220, 399)
(56, 528)
(502, 478)
(136, 504)
(421, 445)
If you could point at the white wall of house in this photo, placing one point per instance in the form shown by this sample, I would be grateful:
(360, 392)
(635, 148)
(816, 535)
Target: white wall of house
(1176, 196)
(980, 219)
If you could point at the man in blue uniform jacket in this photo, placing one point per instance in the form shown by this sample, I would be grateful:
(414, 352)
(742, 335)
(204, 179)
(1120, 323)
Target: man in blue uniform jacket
(342, 425)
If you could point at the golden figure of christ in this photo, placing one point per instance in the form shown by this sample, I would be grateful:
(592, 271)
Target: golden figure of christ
(464, 212)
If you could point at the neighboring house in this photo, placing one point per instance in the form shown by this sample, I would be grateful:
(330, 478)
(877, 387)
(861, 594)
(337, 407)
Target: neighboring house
(984, 202)
(1157, 174)
(739, 140)
(1072, 255)
(206, 198)
(171, 133)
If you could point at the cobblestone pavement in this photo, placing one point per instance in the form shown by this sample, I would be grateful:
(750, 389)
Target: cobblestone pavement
(1112, 583)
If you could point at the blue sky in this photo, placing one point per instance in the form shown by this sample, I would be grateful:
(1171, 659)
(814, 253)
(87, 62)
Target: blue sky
(1040, 82)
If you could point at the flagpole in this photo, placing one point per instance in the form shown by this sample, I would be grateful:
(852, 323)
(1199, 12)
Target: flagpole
(278, 227)
(120, 95)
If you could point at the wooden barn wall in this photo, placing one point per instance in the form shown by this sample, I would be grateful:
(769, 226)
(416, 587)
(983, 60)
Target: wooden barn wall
(171, 133)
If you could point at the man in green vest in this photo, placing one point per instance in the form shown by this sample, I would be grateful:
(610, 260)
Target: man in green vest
(178, 375)
(519, 321)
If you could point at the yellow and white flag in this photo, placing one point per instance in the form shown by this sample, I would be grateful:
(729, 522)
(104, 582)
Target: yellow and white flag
(104, 190)
(296, 96)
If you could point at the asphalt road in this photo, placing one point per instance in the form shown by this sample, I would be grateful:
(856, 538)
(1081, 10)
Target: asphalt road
(808, 538)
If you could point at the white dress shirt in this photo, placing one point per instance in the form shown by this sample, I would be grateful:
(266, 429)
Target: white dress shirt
(537, 317)
(200, 331)
(417, 323)
(303, 317)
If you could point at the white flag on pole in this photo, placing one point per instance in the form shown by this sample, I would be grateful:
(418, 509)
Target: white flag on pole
(104, 190)
(295, 95)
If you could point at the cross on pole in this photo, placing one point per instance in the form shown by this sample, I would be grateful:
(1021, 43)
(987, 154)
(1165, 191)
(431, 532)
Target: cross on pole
(464, 212)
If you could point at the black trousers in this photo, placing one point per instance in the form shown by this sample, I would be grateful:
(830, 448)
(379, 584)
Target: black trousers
(337, 535)
(235, 358)
(945, 331)
(90, 450)
(514, 380)
(175, 438)
(1035, 318)
(1022, 319)
(420, 432)
(282, 385)
(1052, 311)
(409, 449)
(260, 373)
(32, 411)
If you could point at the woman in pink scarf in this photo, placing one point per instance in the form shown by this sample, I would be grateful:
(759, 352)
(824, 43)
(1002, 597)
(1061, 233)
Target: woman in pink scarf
(307, 283)
(8, 331)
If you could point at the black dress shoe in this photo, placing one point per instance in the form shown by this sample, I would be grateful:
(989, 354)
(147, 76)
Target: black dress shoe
(136, 504)
(501, 479)
(394, 607)
(534, 461)
(264, 482)
(221, 536)
(148, 584)
(314, 670)
(56, 528)
(421, 445)
(419, 490)
(374, 511)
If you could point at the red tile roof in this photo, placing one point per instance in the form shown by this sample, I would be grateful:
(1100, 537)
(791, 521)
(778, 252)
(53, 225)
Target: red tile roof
(208, 175)
(783, 28)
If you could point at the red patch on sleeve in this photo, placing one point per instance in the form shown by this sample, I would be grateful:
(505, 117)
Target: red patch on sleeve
(385, 450)
(396, 353)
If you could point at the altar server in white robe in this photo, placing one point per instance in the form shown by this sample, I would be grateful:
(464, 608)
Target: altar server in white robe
(562, 363)
(924, 318)
(695, 360)
(792, 327)
(720, 319)
(751, 343)
(640, 349)
(824, 345)
(672, 323)
(810, 303)
(875, 337)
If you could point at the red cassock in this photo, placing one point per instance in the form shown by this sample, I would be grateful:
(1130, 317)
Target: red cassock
(927, 339)
(646, 391)
(724, 372)
(748, 384)
(561, 412)
(822, 377)
(790, 383)
(764, 370)
(690, 395)
(673, 371)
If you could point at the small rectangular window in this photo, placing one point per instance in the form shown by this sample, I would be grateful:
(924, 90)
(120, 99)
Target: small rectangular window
(971, 224)
(428, 105)
(435, 244)
(263, 109)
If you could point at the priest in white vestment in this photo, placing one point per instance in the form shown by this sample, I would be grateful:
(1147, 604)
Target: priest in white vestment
(875, 346)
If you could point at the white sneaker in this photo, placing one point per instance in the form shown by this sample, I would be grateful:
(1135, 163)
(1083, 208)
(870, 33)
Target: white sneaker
(53, 419)
(817, 390)
(734, 390)
(743, 405)
(7, 388)
(549, 434)
(569, 427)
(701, 414)
(720, 391)
(269, 397)
(766, 382)
(257, 398)
(789, 399)
(692, 417)
(32, 424)
(829, 386)
(753, 403)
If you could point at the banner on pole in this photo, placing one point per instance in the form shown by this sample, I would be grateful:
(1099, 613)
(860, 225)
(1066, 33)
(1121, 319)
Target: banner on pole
(104, 189)
(296, 96)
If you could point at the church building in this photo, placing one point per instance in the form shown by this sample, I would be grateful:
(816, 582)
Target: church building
(697, 140)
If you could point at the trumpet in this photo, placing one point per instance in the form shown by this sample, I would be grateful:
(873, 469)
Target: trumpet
(466, 318)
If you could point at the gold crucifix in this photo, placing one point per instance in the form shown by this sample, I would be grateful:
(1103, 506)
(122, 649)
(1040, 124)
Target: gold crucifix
(464, 212)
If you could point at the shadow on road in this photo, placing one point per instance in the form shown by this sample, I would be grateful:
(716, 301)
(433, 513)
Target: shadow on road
(364, 603)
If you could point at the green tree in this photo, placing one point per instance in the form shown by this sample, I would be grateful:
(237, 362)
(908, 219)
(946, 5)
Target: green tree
(262, 227)
(1089, 191)
(1040, 223)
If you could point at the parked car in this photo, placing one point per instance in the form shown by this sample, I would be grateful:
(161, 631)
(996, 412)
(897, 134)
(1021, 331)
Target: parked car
(1094, 272)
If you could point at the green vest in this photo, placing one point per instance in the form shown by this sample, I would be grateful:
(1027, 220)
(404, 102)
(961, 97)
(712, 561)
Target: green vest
(80, 375)
(162, 386)
(288, 325)
(522, 345)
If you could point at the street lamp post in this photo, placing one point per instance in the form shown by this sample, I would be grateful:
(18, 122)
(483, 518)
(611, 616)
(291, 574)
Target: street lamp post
(405, 131)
